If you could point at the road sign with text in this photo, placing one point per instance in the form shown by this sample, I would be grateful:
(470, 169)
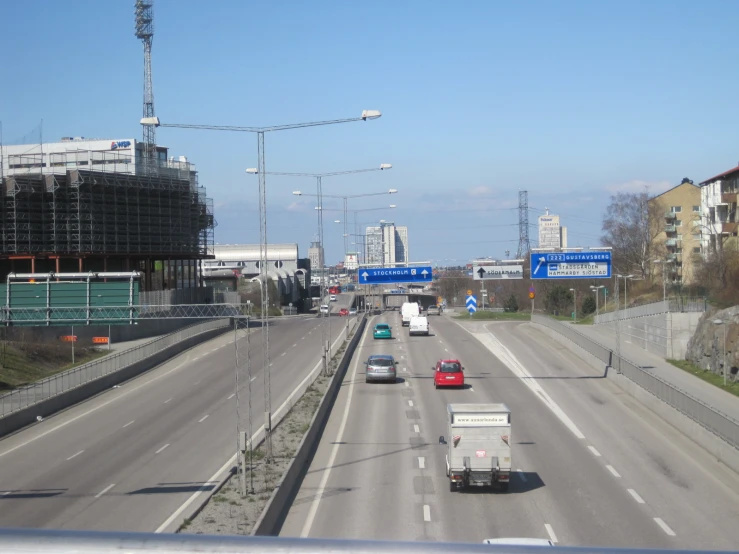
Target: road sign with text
(571, 265)
(371, 275)
(485, 272)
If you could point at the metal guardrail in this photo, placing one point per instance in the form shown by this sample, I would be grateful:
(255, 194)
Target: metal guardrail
(720, 424)
(29, 395)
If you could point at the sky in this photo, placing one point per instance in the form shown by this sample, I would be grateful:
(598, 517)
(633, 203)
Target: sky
(571, 101)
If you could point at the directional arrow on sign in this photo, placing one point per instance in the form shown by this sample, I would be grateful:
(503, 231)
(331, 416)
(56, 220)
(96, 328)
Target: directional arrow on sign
(365, 274)
(542, 259)
(424, 272)
(481, 272)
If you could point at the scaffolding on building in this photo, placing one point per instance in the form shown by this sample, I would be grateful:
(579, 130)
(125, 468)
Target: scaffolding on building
(115, 207)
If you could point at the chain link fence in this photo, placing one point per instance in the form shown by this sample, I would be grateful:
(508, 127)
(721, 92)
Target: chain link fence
(29, 395)
(679, 304)
(720, 424)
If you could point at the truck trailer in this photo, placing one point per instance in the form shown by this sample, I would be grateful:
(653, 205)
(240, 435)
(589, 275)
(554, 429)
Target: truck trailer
(478, 446)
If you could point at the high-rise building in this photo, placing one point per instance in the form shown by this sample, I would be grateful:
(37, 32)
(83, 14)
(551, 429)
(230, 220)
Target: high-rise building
(549, 231)
(315, 255)
(387, 244)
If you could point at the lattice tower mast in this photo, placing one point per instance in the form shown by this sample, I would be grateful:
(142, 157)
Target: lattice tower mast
(524, 246)
(145, 32)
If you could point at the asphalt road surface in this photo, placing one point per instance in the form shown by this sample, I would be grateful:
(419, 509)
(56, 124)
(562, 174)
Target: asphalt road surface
(127, 459)
(594, 467)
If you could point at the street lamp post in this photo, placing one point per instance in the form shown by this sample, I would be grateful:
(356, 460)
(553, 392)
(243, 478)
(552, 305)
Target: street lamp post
(595, 290)
(722, 322)
(575, 294)
(261, 170)
(625, 277)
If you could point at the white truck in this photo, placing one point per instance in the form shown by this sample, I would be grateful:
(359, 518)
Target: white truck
(407, 311)
(478, 446)
(419, 326)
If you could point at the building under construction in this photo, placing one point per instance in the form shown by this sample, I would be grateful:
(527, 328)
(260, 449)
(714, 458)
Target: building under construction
(94, 205)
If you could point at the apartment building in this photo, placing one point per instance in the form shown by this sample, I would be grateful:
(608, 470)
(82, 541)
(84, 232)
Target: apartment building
(677, 215)
(387, 244)
(718, 209)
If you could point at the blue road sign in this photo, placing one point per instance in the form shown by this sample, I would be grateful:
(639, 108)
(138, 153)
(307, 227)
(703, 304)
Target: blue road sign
(571, 265)
(471, 303)
(370, 275)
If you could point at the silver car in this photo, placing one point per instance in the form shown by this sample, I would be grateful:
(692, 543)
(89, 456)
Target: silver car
(381, 367)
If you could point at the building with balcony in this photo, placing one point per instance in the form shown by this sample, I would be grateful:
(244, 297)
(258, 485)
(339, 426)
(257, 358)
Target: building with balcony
(718, 209)
(387, 244)
(676, 221)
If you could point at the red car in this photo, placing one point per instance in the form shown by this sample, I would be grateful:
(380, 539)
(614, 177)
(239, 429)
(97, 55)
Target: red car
(448, 373)
(343, 311)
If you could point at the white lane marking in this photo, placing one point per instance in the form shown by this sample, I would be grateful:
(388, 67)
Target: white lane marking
(426, 512)
(106, 489)
(410, 403)
(421, 462)
(506, 356)
(522, 475)
(232, 460)
(407, 384)
(129, 423)
(593, 450)
(196, 358)
(440, 342)
(665, 527)
(162, 448)
(334, 451)
(416, 428)
(552, 536)
(613, 470)
(253, 378)
(167, 400)
(402, 356)
(95, 409)
(202, 419)
(283, 354)
(294, 345)
(6, 493)
(302, 338)
(75, 455)
(196, 383)
(446, 350)
(636, 496)
(405, 369)
(472, 390)
(230, 397)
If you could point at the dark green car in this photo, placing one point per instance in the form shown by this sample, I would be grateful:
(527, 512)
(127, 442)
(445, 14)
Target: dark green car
(382, 331)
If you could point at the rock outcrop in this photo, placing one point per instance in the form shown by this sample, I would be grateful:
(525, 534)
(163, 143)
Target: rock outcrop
(706, 347)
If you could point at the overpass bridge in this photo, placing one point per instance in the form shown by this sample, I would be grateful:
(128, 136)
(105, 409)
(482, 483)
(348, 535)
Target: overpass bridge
(388, 300)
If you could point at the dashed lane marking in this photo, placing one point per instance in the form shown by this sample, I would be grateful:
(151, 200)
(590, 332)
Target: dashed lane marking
(162, 449)
(421, 462)
(613, 471)
(106, 489)
(416, 428)
(426, 512)
(552, 536)
(594, 451)
(664, 526)
(636, 496)
(75, 455)
(129, 423)
(202, 419)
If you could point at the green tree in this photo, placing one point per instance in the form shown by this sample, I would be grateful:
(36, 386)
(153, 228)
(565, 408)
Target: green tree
(558, 299)
(511, 305)
(588, 305)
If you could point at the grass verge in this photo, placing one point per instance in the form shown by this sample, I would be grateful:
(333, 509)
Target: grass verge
(496, 316)
(708, 376)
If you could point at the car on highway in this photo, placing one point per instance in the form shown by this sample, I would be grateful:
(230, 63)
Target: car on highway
(324, 309)
(352, 311)
(434, 310)
(382, 331)
(381, 367)
(448, 373)
(343, 311)
(332, 298)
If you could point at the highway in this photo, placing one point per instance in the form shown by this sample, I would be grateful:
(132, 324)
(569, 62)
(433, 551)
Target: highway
(594, 467)
(127, 459)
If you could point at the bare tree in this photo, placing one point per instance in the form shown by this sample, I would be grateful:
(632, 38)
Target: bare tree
(629, 228)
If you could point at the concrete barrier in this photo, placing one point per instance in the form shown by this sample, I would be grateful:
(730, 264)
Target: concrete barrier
(27, 416)
(274, 513)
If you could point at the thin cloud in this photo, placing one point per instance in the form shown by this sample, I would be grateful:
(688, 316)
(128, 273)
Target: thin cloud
(480, 191)
(637, 185)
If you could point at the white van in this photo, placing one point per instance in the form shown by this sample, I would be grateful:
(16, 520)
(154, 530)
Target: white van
(407, 311)
(419, 325)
